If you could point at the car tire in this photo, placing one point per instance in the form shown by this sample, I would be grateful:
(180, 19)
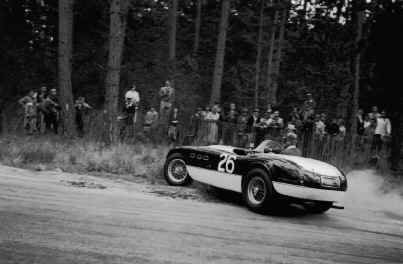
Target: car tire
(319, 207)
(258, 191)
(175, 172)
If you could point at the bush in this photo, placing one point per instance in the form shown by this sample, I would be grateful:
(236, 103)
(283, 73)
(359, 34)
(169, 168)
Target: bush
(38, 153)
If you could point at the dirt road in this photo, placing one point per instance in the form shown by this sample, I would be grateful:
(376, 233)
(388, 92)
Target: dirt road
(52, 217)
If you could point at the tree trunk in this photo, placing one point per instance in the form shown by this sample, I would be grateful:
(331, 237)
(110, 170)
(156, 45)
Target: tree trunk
(269, 77)
(357, 61)
(173, 10)
(118, 15)
(197, 27)
(219, 61)
(259, 53)
(275, 84)
(64, 65)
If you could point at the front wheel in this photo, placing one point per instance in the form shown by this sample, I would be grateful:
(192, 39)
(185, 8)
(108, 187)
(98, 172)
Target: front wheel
(258, 191)
(175, 171)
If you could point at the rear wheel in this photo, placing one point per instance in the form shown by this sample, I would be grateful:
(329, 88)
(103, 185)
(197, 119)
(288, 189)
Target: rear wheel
(258, 191)
(175, 171)
(318, 207)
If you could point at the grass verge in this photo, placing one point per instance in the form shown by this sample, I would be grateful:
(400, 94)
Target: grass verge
(82, 156)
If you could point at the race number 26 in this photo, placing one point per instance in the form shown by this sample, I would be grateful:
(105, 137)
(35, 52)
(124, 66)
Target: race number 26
(227, 163)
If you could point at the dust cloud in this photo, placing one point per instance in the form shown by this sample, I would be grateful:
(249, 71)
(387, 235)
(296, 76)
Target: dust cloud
(370, 190)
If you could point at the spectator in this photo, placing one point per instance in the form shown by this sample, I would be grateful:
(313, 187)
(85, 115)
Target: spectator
(290, 129)
(291, 146)
(132, 101)
(173, 132)
(53, 96)
(276, 123)
(264, 120)
(252, 125)
(308, 127)
(230, 122)
(368, 127)
(207, 111)
(261, 127)
(320, 127)
(212, 120)
(374, 112)
(30, 104)
(166, 94)
(382, 132)
(242, 124)
(81, 106)
(342, 129)
(333, 128)
(43, 93)
(360, 122)
(309, 107)
(51, 112)
(203, 137)
(196, 123)
(269, 109)
(150, 120)
(296, 118)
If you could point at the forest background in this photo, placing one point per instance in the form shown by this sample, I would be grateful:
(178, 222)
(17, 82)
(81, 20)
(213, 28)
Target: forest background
(347, 53)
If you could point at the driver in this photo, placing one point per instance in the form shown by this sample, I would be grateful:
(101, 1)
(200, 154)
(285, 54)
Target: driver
(291, 146)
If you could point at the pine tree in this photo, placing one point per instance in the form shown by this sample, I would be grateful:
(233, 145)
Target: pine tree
(117, 32)
(64, 62)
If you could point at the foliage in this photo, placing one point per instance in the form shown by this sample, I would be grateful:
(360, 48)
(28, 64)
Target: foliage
(318, 52)
(82, 156)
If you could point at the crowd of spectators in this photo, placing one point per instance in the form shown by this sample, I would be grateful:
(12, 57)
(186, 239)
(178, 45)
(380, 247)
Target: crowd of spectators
(304, 126)
(312, 131)
(42, 112)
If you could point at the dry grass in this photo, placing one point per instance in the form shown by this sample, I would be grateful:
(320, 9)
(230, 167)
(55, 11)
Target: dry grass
(82, 156)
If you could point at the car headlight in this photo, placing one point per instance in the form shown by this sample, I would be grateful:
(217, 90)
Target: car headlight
(330, 181)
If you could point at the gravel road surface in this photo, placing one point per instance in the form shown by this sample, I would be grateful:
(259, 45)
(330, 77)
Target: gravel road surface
(54, 217)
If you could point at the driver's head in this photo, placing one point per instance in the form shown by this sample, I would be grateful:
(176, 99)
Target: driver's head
(291, 139)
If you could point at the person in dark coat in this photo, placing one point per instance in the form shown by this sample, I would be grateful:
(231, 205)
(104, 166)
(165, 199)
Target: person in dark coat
(253, 123)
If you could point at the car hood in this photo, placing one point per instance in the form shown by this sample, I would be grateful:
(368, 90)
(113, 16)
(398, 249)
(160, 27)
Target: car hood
(312, 165)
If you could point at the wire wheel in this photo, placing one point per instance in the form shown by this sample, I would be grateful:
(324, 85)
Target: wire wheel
(176, 171)
(257, 190)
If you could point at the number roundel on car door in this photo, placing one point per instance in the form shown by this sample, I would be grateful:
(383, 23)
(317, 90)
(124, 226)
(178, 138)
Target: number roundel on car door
(226, 163)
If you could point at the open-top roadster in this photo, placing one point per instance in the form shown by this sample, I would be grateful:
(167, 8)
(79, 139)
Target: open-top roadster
(261, 175)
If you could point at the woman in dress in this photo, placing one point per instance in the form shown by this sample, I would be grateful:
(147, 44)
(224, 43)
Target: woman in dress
(212, 119)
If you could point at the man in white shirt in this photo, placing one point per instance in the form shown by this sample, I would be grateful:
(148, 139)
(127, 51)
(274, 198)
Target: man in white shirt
(132, 100)
(132, 97)
(383, 130)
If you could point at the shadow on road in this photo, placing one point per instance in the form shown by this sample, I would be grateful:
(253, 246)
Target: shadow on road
(281, 208)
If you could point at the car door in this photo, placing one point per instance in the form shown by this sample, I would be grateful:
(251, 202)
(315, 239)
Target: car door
(216, 168)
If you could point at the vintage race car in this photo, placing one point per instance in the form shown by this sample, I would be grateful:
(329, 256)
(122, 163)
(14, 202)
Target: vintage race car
(262, 176)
